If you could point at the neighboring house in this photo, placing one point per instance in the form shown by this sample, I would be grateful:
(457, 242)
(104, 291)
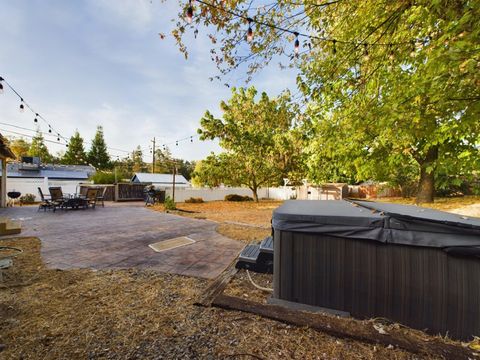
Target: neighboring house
(328, 191)
(27, 176)
(161, 180)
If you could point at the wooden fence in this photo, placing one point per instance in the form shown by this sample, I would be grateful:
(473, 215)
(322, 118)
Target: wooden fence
(120, 191)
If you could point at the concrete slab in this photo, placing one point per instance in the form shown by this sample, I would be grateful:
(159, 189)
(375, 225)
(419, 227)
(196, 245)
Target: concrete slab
(118, 236)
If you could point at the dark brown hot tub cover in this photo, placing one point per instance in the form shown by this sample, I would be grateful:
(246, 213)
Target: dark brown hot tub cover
(386, 223)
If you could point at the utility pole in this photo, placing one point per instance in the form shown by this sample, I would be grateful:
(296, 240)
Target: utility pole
(174, 173)
(153, 156)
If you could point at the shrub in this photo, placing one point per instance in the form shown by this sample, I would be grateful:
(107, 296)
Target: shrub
(236, 197)
(103, 177)
(169, 203)
(194, 200)
(27, 199)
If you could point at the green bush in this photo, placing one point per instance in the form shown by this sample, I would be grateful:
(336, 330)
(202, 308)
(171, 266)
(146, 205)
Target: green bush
(103, 177)
(194, 200)
(235, 197)
(27, 199)
(169, 203)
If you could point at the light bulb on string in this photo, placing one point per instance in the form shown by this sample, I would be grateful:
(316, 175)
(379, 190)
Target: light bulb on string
(366, 55)
(189, 16)
(413, 50)
(35, 120)
(176, 143)
(22, 107)
(250, 30)
(191, 138)
(1, 85)
(58, 139)
(391, 55)
(296, 47)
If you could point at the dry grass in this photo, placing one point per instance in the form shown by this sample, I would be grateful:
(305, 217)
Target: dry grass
(248, 212)
(444, 204)
(133, 314)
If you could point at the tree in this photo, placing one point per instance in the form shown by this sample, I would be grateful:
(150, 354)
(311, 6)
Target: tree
(253, 133)
(185, 168)
(98, 154)
(138, 165)
(401, 76)
(211, 171)
(39, 149)
(20, 147)
(163, 161)
(75, 154)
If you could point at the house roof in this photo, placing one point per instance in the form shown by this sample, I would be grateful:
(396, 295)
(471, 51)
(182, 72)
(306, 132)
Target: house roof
(5, 151)
(159, 178)
(66, 172)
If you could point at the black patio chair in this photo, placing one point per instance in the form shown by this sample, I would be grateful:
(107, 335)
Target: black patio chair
(57, 198)
(101, 195)
(45, 203)
(91, 197)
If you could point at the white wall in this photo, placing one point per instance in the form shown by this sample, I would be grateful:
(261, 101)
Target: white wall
(207, 194)
(29, 186)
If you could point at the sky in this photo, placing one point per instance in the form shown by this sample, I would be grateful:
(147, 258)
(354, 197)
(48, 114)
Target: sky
(101, 62)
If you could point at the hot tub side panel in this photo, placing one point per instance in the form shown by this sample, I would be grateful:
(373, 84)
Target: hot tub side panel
(417, 286)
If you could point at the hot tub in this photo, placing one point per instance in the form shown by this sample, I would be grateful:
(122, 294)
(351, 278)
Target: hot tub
(415, 266)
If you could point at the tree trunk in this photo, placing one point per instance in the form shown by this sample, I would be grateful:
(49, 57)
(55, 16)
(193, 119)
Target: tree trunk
(426, 184)
(255, 195)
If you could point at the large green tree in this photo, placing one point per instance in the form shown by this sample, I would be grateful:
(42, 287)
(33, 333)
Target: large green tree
(256, 135)
(98, 154)
(75, 154)
(39, 149)
(19, 146)
(389, 83)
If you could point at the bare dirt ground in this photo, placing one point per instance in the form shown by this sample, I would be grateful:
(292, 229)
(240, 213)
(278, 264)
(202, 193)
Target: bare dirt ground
(133, 314)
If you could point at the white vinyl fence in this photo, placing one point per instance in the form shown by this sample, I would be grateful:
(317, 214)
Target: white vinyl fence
(31, 185)
(207, 194)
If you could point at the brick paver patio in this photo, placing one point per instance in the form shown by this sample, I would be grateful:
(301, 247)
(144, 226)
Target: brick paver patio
(118, 236)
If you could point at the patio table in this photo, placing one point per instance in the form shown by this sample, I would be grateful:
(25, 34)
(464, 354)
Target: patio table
(74, 201)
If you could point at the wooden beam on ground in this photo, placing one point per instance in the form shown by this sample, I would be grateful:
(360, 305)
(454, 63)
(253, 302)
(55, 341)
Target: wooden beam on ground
(347, 328)
(217, 286)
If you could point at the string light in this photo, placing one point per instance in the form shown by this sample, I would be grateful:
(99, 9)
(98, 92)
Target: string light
(189, 16)
(176, 143)
(413, 51)
(391, 55)
(1, 85)
(250, 30)
(191, 139)
(296, 48)
(366, 56)
(24, 104)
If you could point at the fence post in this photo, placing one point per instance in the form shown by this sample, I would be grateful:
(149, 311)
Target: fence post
(115, 195)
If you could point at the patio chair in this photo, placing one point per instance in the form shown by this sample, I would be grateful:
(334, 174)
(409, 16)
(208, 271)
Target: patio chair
(91, 197)
(57, 198)
(101, 195)
(45, 203)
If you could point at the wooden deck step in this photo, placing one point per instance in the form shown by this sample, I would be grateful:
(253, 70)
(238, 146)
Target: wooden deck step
(266, 246)
(250, 253)
(9, 227)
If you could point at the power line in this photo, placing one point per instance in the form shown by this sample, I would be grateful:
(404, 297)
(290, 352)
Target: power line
(44, 133)
(24, 103)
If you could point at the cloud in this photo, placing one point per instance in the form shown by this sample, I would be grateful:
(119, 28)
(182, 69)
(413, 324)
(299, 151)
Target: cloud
(136, 15)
